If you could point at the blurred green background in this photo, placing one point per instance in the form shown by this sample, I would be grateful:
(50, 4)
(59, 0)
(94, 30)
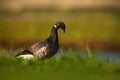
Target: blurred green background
(88, 49)
(93, 24)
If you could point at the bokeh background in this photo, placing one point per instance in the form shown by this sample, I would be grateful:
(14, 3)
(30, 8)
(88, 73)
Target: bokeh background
(90, 23)
(89, 50)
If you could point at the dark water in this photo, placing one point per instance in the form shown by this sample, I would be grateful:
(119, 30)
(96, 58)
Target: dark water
(98, 55)
(110, 55)
(103, 55)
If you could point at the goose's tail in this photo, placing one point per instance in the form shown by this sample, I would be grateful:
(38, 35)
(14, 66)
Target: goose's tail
(25, 54)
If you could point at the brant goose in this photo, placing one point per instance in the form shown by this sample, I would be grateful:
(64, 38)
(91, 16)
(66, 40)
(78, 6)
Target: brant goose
(45, 48)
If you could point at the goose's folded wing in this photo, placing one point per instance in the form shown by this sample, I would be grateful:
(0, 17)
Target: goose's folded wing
(35, 47)
(32, 49)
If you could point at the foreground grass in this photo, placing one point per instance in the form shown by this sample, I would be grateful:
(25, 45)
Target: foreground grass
(68, 67)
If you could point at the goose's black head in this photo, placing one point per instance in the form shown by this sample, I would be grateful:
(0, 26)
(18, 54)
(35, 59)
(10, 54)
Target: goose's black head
(60, 25)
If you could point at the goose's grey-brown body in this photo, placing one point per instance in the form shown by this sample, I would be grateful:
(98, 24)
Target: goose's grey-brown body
(45, 48)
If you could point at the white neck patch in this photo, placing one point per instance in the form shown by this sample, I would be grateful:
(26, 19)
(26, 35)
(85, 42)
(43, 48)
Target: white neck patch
(55, 26)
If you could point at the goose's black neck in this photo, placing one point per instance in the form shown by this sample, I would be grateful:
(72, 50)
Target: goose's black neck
(54, 36)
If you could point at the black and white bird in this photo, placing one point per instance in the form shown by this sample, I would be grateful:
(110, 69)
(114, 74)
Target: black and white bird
(45, 48)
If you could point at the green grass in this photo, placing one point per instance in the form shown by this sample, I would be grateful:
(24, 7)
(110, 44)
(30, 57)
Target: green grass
(66, 67)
